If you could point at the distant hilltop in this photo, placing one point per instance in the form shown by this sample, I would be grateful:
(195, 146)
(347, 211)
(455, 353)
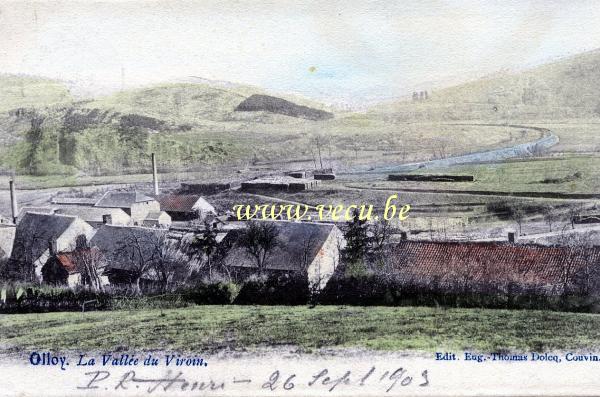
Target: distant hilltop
(266, 103)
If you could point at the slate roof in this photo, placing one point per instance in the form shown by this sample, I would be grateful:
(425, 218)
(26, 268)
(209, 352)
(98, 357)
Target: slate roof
(181, 202)
(35, 230)
(485, 262)
(39, 210)
(117, 199)
(119, 244)
(298, 245)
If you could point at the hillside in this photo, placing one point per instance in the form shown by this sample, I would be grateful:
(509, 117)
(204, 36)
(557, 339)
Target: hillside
(29, 92)
(564, 89)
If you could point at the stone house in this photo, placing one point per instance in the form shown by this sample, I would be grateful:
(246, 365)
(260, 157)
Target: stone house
(39, 236)
(135, 204)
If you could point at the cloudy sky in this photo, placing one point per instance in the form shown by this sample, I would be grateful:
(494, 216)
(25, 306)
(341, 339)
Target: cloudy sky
(334, 51)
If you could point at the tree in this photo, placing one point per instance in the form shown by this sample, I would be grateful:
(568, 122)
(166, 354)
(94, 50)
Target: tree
(517, 214)
(357, 238)
(550, 216)
(576, 261)
(171, 263)
(259, 239)
(140, 251)
(206, 243)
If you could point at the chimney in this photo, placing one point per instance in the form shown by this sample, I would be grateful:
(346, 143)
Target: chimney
(52, 246)
(154, 175)
(511, 237)
(107, 219)
(403, 236)
(13, 201)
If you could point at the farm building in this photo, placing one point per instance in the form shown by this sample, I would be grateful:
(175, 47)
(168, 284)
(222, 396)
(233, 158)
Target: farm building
(186, 207)
(491, 263)
(284, 184)
(135, 204)
(39, 236)
(157, 219)
(310, 249)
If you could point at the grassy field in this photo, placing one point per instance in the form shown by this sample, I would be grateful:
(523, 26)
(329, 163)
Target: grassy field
(568, 174)
(212, 328)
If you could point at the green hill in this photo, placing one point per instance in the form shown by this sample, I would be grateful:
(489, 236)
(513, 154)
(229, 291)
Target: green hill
(564, 89)
(31, 92)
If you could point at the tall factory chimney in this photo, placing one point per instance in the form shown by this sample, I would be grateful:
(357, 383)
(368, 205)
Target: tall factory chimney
(154, 175)
(13, 201)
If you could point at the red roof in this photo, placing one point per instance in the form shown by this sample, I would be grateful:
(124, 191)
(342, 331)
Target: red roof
(178, 202)
(489, 262)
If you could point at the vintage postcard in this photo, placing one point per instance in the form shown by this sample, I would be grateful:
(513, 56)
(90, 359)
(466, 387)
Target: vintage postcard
(299, 198)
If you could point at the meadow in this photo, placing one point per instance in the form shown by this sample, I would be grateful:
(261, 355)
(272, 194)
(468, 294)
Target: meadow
(215, 328)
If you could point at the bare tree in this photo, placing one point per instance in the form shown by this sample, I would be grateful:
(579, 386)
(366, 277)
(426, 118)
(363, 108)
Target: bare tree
(259, 239)
(577, 253)
(90, 263)
(517, 214)
(550, 216)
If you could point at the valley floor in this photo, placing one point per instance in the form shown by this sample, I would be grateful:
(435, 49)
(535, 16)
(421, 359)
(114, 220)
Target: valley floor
(240, 328)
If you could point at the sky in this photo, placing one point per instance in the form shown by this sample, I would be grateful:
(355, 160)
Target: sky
(338, 52)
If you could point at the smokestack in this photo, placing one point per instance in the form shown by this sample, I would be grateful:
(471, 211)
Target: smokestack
(154, 175)
(13, 201)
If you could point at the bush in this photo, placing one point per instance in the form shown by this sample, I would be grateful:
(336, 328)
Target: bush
(284, 289)
(378, 290)
(211, 293)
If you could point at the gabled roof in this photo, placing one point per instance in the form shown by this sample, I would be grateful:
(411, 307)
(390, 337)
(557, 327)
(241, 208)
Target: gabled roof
(298, 245)
(183, 202)
(488, 262)
(155, 215)
(34, 232)
(122, 245)
(118, 199)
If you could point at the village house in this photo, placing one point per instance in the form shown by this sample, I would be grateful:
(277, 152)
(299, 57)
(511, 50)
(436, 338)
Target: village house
(186, 207)
(482, 264)
(135, 204)
(308, 249)
(39, 236)
(129, 250)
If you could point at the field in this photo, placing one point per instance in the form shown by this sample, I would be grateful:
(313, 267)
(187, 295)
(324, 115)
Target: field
(214, 328)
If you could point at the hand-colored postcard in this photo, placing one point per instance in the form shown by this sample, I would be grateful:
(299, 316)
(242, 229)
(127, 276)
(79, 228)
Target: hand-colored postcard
(299, 198)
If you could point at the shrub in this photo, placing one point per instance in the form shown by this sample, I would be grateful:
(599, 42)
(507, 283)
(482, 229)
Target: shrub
(211, 293)
(283, 289)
